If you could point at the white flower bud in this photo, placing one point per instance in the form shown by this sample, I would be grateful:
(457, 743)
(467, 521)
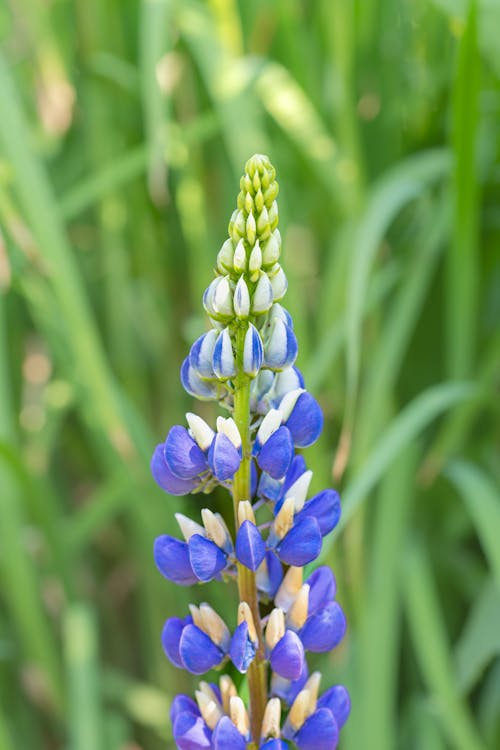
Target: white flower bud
(188, 527)
(299, 489)
(279, 284)
(225, 257)
(209, 709)
(239, 715)
(269, 424)
(245, 615)
(255, 261)
(214, 626)
(223, 298)
(271, 250)
(297, 614)
(240, 257)
(230, 430)
(245, 512)
(289, 588)
(241, 299)
(272, 719)
(216, 531)
(227, 691)
(300, 710)
(263, 295)
(287, 403)
(284, 519)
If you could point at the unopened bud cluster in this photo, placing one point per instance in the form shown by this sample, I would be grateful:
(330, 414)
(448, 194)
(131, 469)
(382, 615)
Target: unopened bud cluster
(251, 346)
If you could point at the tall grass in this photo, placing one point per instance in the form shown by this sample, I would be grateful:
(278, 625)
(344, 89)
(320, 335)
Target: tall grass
(123, 129)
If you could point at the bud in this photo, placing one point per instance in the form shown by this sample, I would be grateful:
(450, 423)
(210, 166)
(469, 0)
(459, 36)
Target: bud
(201, 354)
(280, 348)
(271, 193)
(248, 203)
(279, 284)
(225, 257)
(273, 215)
(223, 361)
(271, 250)
(216, 531)
(275, 629)
(255, 262)
(256, 182)
(223, 298)
(227, 691)
(284, 520)
(240, 257)
(269, 424)
(245, 615)
(253, 351)
(272, 719)
(241, 299)
(209, 709)
(297, 614)
(214, 626)
(238, 227)
(188, 527)
(263, 224)
(289, 588)
(300, 710)
(263, 295)
(245, 512)
(230, 430)
(259, 200)
(299, 490)
(239, 715)
(251, 229)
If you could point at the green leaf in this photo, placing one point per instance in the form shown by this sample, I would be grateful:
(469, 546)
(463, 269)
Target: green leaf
(479, 641)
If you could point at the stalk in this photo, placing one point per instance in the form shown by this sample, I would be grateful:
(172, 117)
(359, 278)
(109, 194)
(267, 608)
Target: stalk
(257, 672)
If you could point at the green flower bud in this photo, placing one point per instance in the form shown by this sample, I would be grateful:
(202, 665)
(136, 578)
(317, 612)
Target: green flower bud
(279, 284)
(248, 203)
(241, 299)
(273, 215)
(240, 257)
(263, 225)
(271, 193)
(259, 200)
(251, 229)
(230, 227)
(247, 184)
(238, 227)
(240, 201)
(256, 181)
(255, 262)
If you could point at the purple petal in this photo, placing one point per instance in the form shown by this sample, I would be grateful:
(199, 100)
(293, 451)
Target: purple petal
(288, 690)
(191, 733)
(297, 468)
(170, 639)
(183, 703)
(195, 386)
(287, 657)
(336, 699)
(223, 360)
(184, 457)
(302, 544)
(319, 732)
(253, 351)
(206, 558)
(276, 453)
(223, 457)
(197, 651)
(306, 421)
(254, 478)
(268, 579)
(250, 547)
(227, 737)
(164, 477)
(275, 745)
(172, 560)
(201, 353)
(325, 629)
(280, 349)
(322, 588)
(325, 508)
(241, 650)
(269, 488)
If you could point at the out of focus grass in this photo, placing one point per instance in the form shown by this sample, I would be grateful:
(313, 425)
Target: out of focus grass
(123, 131)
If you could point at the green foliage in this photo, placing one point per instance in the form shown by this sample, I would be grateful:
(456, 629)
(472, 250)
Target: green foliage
(123, 128)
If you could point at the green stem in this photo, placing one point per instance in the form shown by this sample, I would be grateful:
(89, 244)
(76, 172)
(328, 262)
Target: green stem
(257, 672)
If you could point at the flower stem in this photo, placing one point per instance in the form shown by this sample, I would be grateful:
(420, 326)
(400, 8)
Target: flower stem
(257, 672)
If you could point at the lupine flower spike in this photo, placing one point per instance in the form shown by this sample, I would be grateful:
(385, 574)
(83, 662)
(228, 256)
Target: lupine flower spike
(246, 364)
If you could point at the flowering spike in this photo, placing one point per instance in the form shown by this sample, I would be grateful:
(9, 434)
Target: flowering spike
(245, 362)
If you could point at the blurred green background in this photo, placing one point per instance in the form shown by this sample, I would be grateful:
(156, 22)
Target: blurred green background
(124, 128)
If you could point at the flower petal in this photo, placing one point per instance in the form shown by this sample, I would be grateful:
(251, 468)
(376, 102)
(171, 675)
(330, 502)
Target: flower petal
(191, 733)
(275, 745)
(325, 508)
(172, 560)
(280, 347)
(276, 453)
(306, 421)
(183, 703)
(250, 547)
(337, 700)
(206, 558)
(227, 737)
(287, 657)
(288, 690)
(241, 650)
(164, 477)
(269, 575)
(322, 588)
(302, 544)
(253, 351)
(223, 458)
(195, 386)
(197, 651)
(319, 732)
(325, 629)
(201, 354)
(184, 457)
(170, 639)
(223, 360)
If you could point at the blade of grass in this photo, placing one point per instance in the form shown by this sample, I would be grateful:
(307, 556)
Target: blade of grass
(430, 644)
(462, 266)
(81, 657)
(482, 500)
